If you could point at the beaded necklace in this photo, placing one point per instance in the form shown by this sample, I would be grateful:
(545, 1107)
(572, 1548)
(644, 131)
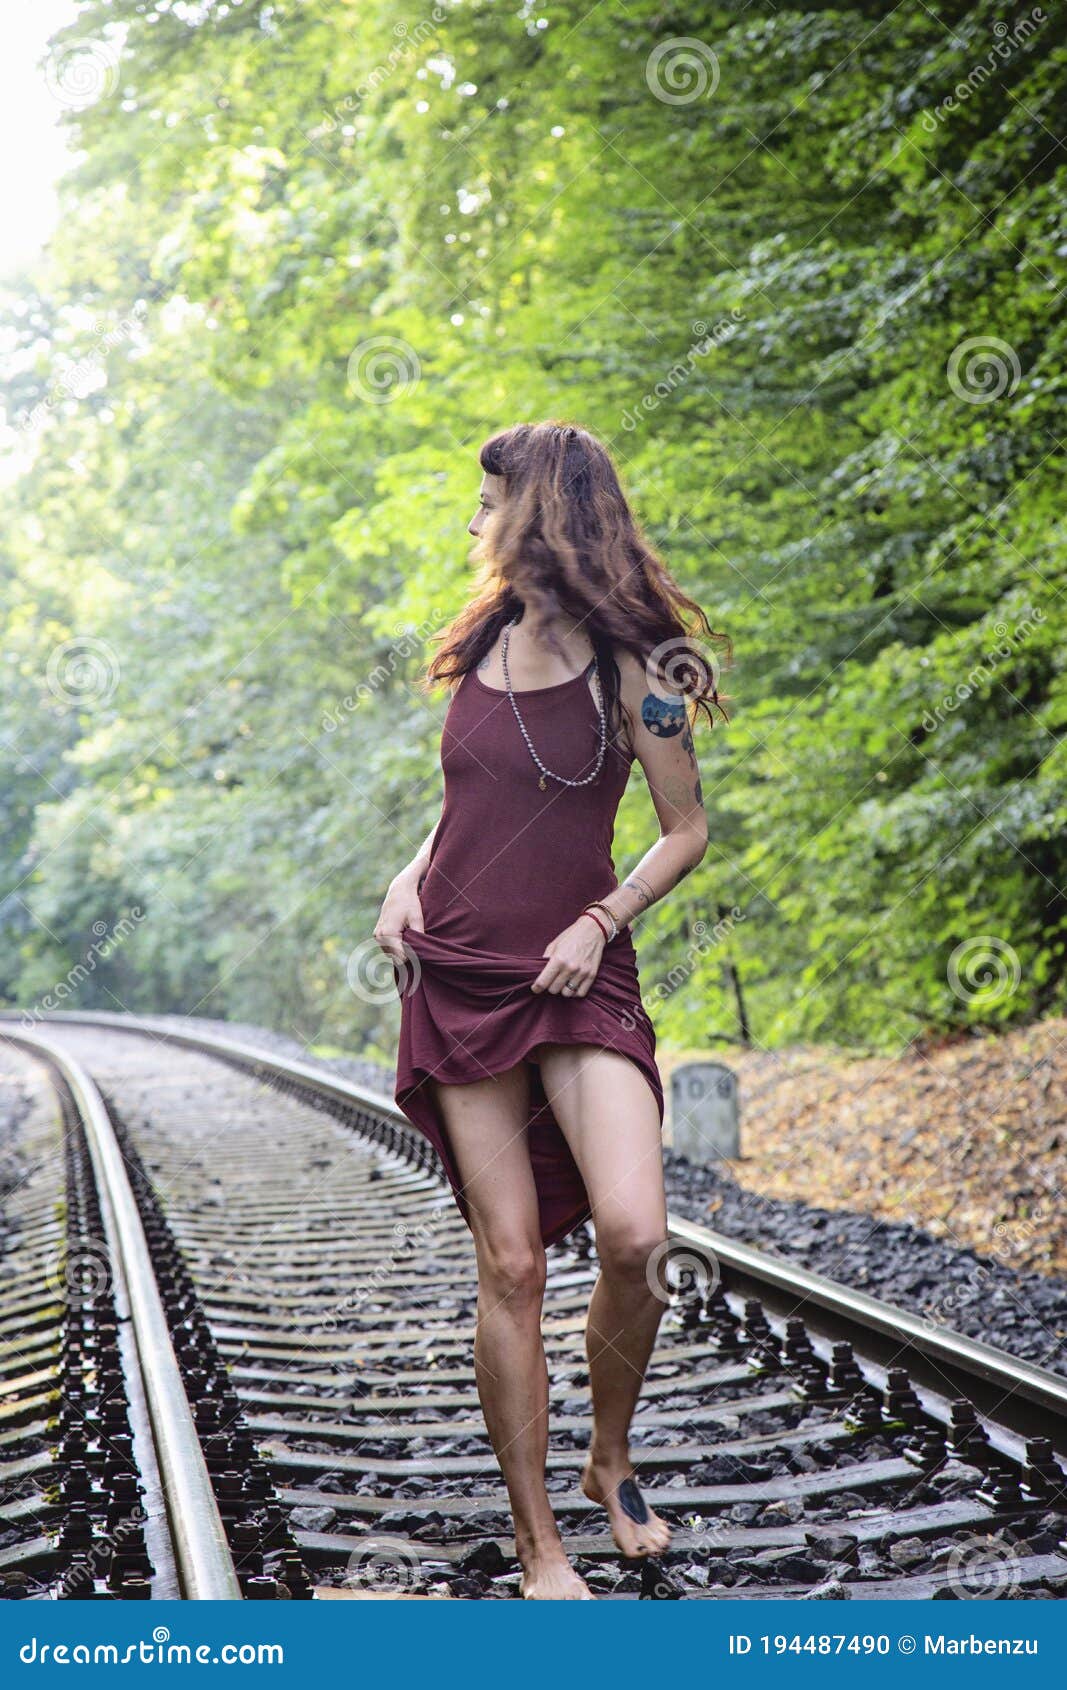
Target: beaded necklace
(563, 779)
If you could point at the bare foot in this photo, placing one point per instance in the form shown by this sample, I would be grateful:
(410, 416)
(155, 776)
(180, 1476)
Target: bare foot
(637, 1530)
(549, 1577)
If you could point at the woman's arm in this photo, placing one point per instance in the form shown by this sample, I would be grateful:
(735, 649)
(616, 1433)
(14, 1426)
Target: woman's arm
(401, 907)
(663, 745)
(420, 862)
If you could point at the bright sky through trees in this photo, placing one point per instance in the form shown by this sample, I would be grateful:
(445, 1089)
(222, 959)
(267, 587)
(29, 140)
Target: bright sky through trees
(31, 137)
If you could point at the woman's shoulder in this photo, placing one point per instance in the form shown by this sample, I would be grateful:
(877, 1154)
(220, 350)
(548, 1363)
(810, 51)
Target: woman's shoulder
(632, 689)
(633, 681)
(628, 663)
(645, 694)
(641, 679)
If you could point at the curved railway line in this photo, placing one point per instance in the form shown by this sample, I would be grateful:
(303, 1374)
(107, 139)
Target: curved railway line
(236, 1317)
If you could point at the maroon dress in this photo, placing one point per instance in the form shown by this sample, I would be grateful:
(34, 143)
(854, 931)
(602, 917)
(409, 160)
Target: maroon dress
(510, 867)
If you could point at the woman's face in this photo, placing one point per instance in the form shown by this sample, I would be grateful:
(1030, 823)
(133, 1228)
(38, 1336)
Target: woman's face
(490, 497)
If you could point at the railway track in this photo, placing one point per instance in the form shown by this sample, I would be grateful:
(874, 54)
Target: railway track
(236, 1318)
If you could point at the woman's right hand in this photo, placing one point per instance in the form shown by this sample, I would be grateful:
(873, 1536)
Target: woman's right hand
(400, 909)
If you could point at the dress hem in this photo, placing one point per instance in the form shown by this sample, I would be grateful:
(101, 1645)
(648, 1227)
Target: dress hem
(404, 1095)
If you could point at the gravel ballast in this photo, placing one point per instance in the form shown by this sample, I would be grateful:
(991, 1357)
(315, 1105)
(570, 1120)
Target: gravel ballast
(1022, 1313)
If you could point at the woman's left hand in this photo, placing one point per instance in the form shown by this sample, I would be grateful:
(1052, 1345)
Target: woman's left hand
(573, 957)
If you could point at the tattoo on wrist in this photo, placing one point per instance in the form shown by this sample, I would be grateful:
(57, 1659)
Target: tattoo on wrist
(642, 888)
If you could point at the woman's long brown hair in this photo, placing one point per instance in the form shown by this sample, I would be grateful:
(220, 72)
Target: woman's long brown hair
(564, 538)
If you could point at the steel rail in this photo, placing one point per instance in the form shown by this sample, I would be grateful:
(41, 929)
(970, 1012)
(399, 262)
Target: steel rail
(198, 1538)
(1023, 1398)
(943, 1363)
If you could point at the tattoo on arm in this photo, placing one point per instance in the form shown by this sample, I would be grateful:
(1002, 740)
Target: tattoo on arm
(642, 888)
(664, 717)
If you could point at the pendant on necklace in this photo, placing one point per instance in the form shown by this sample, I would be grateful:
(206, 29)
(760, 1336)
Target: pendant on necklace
(541, 783)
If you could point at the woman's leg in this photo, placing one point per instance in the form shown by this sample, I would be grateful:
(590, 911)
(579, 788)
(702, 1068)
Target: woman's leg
(486, 1124)
(607, 1112)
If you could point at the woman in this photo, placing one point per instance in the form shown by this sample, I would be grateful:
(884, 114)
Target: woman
(526, 1056)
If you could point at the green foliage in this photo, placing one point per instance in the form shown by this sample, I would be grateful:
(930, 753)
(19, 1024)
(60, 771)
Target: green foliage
(314, 253)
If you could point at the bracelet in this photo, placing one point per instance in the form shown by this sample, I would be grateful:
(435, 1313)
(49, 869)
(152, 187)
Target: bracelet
(599, 906)
(596, 918)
